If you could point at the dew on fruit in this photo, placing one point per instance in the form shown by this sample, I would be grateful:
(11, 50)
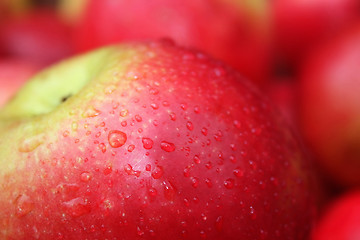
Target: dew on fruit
(31, 143)
(158, 172)
(117, 138)
(195, 182)
(124, 113)
(130, 171)
(131, 148)
(102, 147)
(74, 126)
(219, 222)
(208, 182)
(229, 183)
(152, 192)
(238, 172)
(77, 207)
(197, 159)
(85, 176)
(148, 167)
(169, 191)
(154, 106)
(107, 170)
(204, 131)
(24, 205)
(167, 146)
(138, 118)
(147, 143)
(91, 112)
(252, 213)
(172, 116)
(190, 126)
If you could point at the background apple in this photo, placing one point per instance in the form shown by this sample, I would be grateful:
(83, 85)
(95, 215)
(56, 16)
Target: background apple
(38, 36)
(342, 219)
(13, 74)
(330, 106)
(147, 141)
(234, 31)
(301, 26)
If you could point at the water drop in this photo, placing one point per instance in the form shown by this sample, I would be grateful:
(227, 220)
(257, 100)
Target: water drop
(77, 207)
(91, 112)
(167, 146)
(196, 159)
(102, 147)
(31, 143)
(195, 182)
(138, 118)
(147, 143)
(219, 222)
(131, 148)
(204, 131)
(169, 191)
(24, 205)
(189, 126)
(124, 113)
(152, 192)
(116, 138)
(172, 116)
(85, 176)
(238, 172)
(154, 106)
(208, 182)
(158, 172)
(229, 183)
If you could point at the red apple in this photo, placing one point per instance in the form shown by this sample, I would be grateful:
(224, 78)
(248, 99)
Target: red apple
(341, 221)
(330, 106)
(226, 29)
(13, 74)
(149, 141)
(301, 25)
(38, 36)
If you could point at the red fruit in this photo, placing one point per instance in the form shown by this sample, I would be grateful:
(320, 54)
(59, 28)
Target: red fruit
(149, 141)
(226, 29)
(341, 221)
(38, 36)
(13, 74)
(330, 106)
(302, 25)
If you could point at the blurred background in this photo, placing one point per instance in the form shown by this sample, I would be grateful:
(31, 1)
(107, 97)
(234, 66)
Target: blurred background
(303, 55)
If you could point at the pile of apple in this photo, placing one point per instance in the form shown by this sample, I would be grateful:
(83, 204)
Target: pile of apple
(180, 119)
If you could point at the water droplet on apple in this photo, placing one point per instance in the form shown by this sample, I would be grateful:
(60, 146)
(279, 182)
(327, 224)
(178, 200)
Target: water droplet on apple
(24, 205)
(169, 191)
(102, 147)
(147, 143)
(152, 192)
(204, 131)
(195, 182)
(77, 207)
(117, 138)
(91, 112)
(196, 159)
(172, 116)
(189, 126)
(85, 176)
(219, 222)
(154, 106)
(238, 172)
(131, 148)
(124, 113)
(229, 183)
(158, 172)
(208, 182)
(31, 143)
(138, 118)
(252, 213)
(167, 146)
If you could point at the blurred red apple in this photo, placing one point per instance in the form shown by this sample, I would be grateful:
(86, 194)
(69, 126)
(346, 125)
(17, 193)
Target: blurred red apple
(38, 36)
(234, 31)
(341, 221)
(149, 141)
(13, 74)
(301, 25)
(330, 106)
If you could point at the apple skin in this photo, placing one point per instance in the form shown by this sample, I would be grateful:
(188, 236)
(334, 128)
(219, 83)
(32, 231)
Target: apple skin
(235, 31)
(13, 74)
(146, 141)
(27, 36)
(330, 107)
(302, 26)
(341, 221)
